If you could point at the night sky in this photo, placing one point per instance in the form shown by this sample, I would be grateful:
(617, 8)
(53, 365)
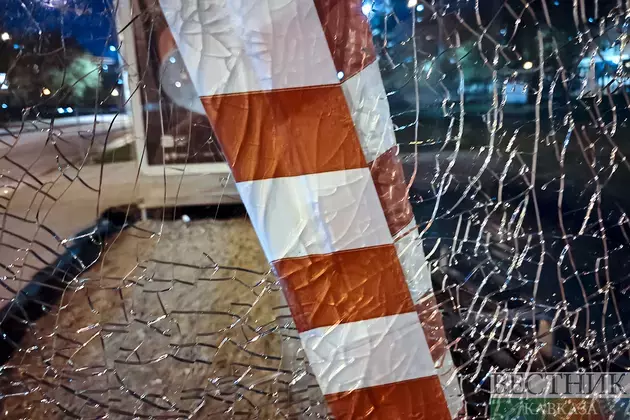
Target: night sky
(90, 22)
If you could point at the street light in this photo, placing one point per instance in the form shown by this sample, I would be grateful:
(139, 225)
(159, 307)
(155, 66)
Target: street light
(528, 65)
(46, 91)
(367, 8)
(412, 3)
(5, 36)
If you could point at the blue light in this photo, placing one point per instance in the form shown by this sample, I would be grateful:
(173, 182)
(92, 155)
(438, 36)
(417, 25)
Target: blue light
(503, 31)
(556, 3)
(367, 8)
(112, 48)
(340, 75)
(420, 7)
(172, 60)
(590, 20)
(105, 67)
(5, 106)
(61, 111)
(69, 110)
(120, 81)
(16, 47)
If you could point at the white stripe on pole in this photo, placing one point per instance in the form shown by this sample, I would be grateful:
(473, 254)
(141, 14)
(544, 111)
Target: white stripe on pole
(234, 46)
(367, 100)
(411, 254)
(287, 213)
(368, 353)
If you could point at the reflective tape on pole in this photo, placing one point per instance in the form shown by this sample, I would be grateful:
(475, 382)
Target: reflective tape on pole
(285, 85)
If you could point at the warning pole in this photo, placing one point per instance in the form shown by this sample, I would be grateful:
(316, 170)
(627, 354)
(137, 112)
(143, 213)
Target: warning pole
(294, 94)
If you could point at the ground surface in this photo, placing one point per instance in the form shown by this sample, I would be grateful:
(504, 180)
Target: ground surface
(139, 336)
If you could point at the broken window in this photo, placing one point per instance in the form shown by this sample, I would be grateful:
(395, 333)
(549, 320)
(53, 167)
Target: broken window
(133, 282)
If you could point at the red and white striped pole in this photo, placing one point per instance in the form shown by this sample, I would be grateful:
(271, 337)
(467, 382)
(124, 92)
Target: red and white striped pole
(294, 94)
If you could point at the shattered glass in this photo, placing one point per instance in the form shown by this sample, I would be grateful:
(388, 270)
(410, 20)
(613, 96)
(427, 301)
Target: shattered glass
(141, 290)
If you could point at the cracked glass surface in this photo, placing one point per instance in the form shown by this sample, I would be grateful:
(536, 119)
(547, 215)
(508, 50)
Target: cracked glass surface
(511, 118)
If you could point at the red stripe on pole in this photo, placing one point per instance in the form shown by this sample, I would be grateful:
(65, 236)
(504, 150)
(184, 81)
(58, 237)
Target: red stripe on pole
(286, 132)
(415, 399)
(344, 286)
(389, 180)
(348, 35)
